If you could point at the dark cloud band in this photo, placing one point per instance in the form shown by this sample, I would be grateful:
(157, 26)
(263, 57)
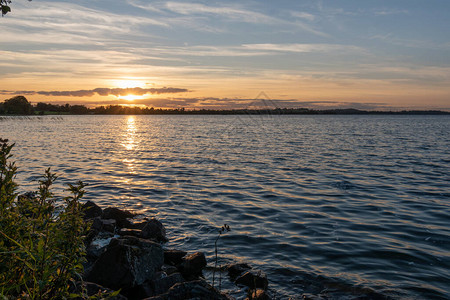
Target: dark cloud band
(101, 91)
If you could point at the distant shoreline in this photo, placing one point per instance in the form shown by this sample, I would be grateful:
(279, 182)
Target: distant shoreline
(121, 110)
(19, 105)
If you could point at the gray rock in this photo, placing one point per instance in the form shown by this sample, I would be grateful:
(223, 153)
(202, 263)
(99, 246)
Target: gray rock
(91, 210)
(198, 289)
(154, 230)
(169, 270)
(108, 225)
(121, 216)
(127, 262)
(159, 285)
(137, 224)
(235, 270)
(174, 257)
(193, 264)
(254, 279)
(130, 232)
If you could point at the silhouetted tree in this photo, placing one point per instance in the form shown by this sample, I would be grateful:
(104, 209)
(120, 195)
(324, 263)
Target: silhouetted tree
(18, 105)
(4, 6)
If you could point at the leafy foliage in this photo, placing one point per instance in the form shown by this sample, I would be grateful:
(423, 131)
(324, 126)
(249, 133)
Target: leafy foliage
(41, 252)
(4, 6)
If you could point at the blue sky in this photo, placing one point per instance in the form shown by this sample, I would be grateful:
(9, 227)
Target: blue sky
(222, 54)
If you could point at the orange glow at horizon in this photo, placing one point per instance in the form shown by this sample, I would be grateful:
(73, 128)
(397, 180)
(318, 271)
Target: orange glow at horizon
(132, 97)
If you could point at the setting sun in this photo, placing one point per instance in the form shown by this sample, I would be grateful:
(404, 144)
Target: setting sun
(130, 97)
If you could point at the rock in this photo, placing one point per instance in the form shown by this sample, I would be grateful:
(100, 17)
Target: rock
(253, 279)
(235, 270)
(174, 257)
(108, 225)
(121, 216)
(198, 289)
(169, 270)
(130, 232)
(98, 245)
(90, 289)
(193, 264)
(159, 285)
(91, 210)
(127, 262)
(98, 226)
(258, 294)
(154, 230)
(313, 297)
(137, 224)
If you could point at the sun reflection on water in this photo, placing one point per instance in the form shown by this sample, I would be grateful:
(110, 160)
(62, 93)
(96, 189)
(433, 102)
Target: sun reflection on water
(130, 135)
(130, 143)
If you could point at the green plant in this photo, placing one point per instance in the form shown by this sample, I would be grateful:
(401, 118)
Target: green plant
(225, 228)
(41, 251)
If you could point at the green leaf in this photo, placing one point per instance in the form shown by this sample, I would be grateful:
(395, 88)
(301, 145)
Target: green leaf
(5, 9)
(115, 293)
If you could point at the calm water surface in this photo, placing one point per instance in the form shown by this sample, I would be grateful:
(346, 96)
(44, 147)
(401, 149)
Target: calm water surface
(342, 205)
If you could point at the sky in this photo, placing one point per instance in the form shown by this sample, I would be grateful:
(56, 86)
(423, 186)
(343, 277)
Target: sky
(371, 54)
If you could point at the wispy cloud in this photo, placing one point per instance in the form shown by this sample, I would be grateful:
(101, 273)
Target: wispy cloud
(101, 92)
(303, 48)
(388, 12)
(304, 15)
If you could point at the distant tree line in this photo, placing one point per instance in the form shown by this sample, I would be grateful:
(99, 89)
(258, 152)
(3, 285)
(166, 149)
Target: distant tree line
(19, 105)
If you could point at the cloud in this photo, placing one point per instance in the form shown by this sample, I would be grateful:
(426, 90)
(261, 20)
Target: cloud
(302, 48)
(387, 12)
(304, 15)
(228, 12)
(101, 91)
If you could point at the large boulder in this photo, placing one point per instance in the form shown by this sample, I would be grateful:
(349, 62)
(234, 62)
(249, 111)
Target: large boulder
(159, 285)
(193, 264)
(91, 210)
(154, 230)
(127, 262)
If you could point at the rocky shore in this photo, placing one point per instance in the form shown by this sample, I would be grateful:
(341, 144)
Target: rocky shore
(128, 255)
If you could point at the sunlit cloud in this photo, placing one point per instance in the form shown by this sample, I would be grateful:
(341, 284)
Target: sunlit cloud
(137, 91)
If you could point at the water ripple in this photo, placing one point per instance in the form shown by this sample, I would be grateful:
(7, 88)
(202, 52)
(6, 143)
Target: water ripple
(353, 205)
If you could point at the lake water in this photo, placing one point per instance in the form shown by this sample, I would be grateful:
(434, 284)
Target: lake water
(339, 205)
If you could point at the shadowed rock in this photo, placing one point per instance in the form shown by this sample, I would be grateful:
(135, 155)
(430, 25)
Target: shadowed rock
(91, 210)
(127, 262)
(130, 232)
(159, 285)
(174, 257)
(197, 289)
(235, 270)
(254, 279)
(154, 230)
(193, 264)
(121, 216)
